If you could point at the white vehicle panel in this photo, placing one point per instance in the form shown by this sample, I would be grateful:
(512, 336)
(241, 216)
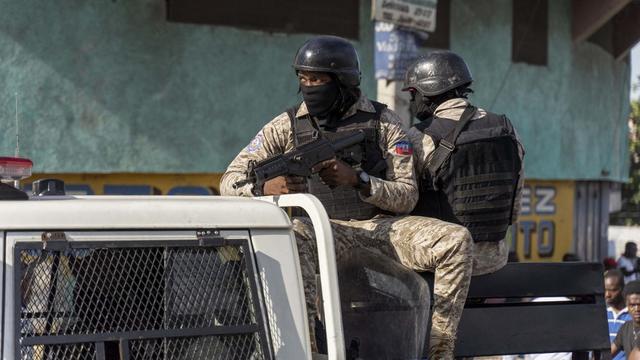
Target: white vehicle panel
(279, 269)
(140, 212)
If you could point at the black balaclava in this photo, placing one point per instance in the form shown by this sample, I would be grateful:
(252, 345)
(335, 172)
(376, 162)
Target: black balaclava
(321, 99)
(422, 107)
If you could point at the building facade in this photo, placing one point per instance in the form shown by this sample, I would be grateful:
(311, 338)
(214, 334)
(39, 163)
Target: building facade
(152, 97)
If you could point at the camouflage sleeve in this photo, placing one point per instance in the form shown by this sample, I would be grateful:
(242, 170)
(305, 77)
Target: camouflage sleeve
(274, 138)
(398, 193)
(423, 146)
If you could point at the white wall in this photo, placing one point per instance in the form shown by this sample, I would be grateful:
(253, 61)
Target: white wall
(619, 235)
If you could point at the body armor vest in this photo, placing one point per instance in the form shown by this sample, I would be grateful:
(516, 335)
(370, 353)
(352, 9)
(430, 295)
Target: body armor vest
(471, 177)
(343, 202)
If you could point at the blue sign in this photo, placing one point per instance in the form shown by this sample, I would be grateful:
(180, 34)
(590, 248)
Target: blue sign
(395, 50)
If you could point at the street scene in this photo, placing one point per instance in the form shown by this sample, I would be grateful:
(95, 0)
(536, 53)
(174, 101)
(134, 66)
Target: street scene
(282, 179)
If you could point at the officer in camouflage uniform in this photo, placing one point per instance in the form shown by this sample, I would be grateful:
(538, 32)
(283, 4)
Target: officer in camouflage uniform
(439, 85)
(362, 191)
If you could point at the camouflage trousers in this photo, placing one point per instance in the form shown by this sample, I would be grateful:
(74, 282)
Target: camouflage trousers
(419, 243)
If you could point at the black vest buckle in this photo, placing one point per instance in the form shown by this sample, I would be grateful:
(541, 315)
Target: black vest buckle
(447, 145)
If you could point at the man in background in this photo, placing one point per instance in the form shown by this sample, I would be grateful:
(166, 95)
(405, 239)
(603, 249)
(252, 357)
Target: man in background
(617, 313)
(627, 337)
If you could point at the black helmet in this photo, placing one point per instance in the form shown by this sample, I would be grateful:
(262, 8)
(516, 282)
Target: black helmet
(330, 54)
(437, 72)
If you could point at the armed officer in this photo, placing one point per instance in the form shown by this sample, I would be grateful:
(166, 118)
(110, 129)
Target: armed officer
(439, 86)
(362, 193)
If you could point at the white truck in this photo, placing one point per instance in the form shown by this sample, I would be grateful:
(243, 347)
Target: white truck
(186, 277)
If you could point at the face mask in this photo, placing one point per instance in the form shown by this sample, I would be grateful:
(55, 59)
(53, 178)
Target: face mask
(421, 107)
(321, 98)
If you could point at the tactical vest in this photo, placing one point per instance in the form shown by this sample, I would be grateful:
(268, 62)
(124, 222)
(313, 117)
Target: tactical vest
(472, 175)
(343, 202)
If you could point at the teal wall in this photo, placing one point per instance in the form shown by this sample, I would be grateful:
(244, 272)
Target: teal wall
(111, 86)
(571, 114)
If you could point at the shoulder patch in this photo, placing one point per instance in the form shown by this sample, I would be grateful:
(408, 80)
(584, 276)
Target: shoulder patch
(256, 143)
(403, 147)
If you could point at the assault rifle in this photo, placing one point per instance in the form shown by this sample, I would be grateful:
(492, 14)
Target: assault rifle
(298, 162)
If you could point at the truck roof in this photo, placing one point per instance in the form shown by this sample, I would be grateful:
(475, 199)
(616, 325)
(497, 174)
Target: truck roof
(140, 212)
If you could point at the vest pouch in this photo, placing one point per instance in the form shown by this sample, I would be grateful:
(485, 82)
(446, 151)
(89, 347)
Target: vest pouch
(480, 184)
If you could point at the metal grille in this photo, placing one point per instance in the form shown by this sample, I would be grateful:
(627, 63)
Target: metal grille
(177, 301)
(73, 351)
(238, 347)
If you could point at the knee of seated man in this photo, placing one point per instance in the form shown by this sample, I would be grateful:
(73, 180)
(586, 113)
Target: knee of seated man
(297, 224)
(461, 240)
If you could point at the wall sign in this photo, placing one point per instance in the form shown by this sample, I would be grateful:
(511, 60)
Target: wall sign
(544, 231)
(413, 14)
(395, 50)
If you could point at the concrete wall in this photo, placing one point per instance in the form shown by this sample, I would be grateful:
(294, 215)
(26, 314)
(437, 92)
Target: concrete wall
(111, 86)
(571, 114)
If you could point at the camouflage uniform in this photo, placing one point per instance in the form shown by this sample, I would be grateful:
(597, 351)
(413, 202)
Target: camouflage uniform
(420, 243)
(398, 193)
(417, 242)
(487, 256)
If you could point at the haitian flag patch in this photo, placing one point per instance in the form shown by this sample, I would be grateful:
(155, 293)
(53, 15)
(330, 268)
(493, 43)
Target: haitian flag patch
(403, 147)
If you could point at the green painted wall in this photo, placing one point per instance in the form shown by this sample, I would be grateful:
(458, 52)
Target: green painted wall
(570, 114)
(111, 86)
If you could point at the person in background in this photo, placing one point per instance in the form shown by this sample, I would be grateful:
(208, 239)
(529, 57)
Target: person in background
(609, 263)
(635, 354)
(628, 262)
(627, 337)
(617, 313)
